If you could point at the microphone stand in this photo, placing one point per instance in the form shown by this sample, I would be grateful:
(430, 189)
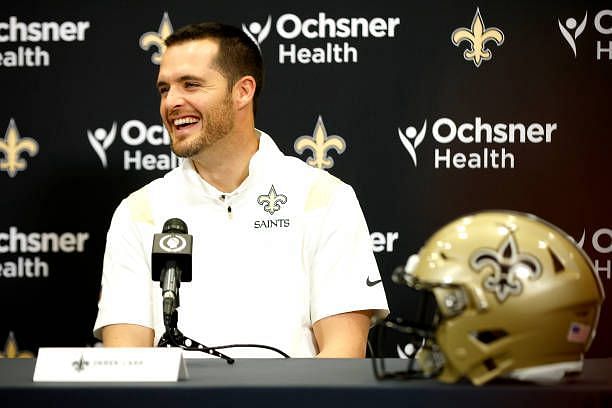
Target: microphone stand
(174, 337)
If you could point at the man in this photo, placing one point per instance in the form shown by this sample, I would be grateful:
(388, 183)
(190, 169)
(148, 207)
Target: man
(281, 253)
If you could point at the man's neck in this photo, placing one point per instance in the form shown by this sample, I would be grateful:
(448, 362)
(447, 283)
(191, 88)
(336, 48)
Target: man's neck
(225, 165)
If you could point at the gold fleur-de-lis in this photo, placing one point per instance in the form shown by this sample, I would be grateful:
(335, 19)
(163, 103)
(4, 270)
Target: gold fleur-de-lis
(270, 201)
(147, 40)
(477, 36)
(320, 143)
(506, 267)
(12, 351)
(12, 146)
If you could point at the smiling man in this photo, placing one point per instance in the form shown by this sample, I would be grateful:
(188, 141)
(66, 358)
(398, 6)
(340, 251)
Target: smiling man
(281, 252)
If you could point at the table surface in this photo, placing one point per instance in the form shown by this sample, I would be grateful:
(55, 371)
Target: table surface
(301, 382)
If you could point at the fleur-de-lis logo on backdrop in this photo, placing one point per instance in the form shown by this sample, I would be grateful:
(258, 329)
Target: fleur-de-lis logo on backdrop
(416, 138)
(508, 266)
(571, 24)
(156, 39)
(12, 351)
(258, 33)
(477, 37)
(271, 201)
(100, 140)
(12, 146)
(319, 144)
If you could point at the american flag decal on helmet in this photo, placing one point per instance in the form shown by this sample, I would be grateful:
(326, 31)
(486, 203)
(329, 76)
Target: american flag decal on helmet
(578, 333)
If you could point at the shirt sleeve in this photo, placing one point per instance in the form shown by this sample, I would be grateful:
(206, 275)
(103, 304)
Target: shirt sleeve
(344, 276)
(126, 276)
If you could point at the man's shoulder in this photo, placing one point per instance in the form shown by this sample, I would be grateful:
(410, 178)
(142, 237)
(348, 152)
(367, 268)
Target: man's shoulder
(293, 167)
(320, 189)
(318, 186)
(140, 202)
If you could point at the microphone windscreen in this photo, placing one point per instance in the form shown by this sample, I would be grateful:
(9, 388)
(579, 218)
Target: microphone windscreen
(175, 225)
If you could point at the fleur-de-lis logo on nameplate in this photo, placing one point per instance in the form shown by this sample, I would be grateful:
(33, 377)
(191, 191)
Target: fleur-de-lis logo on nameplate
(12, 351)
(477, 36)
(156, 39)
(12, 146)
(320, 143)
(507, 267)
(80, 364)
(270, 201)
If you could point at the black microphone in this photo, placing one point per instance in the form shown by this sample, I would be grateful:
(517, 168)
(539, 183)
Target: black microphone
(171, 263)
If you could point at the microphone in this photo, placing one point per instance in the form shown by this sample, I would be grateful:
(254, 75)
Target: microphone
(171, 264)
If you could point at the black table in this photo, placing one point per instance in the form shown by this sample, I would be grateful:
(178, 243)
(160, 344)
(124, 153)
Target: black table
(300, 383)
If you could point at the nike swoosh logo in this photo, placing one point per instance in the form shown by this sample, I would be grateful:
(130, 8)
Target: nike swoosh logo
(372, 283)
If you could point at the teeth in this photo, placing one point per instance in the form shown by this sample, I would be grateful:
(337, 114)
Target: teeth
(184, 121)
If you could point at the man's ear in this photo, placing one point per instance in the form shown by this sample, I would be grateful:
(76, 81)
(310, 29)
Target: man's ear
(244, 91)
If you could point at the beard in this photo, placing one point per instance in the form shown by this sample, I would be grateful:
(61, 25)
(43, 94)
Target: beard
(218, 122)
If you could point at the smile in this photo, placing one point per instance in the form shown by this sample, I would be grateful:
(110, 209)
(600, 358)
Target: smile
(185, 122)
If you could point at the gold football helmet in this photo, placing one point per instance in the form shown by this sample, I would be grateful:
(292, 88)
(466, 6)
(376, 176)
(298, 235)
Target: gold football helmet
(513, 295)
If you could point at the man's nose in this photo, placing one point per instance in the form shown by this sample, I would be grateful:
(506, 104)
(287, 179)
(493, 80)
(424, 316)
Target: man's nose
(174, 98)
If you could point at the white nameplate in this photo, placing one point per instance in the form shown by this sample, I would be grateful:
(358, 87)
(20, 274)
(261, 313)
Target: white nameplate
(110, 364)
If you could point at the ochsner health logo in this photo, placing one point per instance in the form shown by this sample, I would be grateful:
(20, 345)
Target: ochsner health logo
(411, 140)
(23, 253)
(493, 142)
(336, 32)
(100, 140)
(28, 37)
(599, 244)
(571, 30)
(257, 32)
(134, 134)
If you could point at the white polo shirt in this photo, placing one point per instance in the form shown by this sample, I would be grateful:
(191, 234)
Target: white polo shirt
(288, 247)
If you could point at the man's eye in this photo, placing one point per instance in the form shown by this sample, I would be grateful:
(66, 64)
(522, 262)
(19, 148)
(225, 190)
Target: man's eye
(191, 84)
(162, 90)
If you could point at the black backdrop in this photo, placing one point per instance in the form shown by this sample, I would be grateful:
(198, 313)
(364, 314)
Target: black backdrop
(402, 79)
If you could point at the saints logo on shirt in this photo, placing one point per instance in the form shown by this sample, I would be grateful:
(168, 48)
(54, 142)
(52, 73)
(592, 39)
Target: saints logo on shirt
(271, 203)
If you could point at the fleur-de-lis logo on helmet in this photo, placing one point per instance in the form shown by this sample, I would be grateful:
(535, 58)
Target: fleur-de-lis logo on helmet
(270, 201)
(508, 267)
(320, 143)
(12, 146)
(477, 36)
(156, 39)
